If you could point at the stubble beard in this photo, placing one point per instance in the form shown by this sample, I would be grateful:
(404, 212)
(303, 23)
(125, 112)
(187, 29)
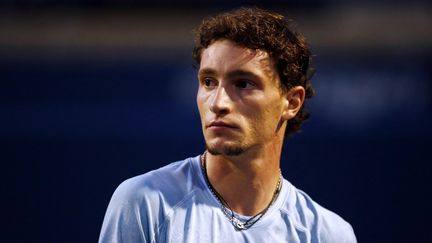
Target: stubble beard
(228, 150)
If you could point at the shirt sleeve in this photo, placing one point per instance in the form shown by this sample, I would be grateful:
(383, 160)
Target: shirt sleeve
(346, 235)
(125, 219)
(336, 230)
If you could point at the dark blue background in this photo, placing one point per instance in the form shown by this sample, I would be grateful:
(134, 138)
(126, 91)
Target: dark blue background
(73, 128)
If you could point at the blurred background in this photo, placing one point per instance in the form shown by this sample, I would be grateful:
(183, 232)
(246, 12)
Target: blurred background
(93, 92)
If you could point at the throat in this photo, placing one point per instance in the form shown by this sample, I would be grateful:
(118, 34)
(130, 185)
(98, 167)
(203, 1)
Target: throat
(250, 202)
(242, 198)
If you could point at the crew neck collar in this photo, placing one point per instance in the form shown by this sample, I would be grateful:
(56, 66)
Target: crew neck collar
(266, 219)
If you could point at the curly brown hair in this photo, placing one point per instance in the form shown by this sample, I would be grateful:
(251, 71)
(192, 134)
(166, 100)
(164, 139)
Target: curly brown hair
(256, 28)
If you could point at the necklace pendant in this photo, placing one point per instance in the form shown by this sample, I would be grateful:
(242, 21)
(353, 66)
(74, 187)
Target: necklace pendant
(238, 225)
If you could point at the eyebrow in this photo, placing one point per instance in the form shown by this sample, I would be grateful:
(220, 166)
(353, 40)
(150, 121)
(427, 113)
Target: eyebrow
(232, 74)
(206, 71)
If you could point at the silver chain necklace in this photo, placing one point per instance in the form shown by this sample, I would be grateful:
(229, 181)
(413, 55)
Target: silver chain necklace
(226, 209)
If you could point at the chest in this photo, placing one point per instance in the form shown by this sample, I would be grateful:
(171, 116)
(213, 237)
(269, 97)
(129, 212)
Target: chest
(206, 223)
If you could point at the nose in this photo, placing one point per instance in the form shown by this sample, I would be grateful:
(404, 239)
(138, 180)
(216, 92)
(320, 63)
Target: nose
(221, 103)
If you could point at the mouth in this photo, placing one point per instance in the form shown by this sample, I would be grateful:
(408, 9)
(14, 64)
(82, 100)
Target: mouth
(221, 125)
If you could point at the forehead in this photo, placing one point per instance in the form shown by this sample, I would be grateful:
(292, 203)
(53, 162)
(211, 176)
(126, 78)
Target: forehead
(226, 56)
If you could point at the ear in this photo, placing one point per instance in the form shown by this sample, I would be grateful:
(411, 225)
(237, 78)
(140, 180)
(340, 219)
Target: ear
(294, 99)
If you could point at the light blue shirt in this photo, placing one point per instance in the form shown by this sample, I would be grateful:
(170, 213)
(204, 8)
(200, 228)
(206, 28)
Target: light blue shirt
(174, 204)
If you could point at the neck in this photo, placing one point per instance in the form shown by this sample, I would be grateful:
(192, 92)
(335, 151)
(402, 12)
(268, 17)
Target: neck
(246, 182)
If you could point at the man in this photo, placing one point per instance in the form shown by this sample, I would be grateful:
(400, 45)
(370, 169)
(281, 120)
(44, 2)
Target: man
(253, 81)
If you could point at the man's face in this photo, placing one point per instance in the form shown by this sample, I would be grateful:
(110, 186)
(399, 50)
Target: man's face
(239, 99)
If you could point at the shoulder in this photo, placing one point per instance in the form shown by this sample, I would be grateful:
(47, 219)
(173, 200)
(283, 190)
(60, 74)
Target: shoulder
(141, 204)
(169, 184)
(323, 224)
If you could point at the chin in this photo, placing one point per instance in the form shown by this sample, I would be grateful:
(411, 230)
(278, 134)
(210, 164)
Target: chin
(228, 150)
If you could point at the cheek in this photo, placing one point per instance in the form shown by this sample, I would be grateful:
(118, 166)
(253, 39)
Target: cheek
(255, 117)
(201, 103)
(199, 98)
(268, 117)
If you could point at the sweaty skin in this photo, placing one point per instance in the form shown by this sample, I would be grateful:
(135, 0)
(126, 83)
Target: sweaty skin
(243, 114)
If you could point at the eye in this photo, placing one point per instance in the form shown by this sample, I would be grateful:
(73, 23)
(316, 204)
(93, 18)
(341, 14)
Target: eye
(208, 82)
(244, 84)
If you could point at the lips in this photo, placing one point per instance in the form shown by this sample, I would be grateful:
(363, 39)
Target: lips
(220, 125)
